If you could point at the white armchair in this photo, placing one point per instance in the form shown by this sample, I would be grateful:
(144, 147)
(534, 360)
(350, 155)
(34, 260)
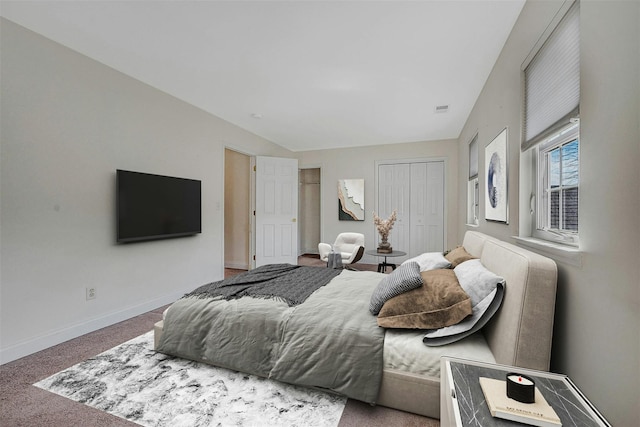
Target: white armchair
(350, 246)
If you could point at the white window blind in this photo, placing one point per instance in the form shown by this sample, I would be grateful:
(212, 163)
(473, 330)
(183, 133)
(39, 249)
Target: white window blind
(552, 81)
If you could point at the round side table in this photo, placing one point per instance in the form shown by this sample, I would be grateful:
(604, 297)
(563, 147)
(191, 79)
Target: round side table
(382, 267)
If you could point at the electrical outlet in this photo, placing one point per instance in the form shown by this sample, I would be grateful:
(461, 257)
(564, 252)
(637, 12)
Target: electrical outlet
(92, 293)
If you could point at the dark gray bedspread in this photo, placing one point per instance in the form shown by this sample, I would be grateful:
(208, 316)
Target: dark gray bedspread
(330, 341)
(290, 283)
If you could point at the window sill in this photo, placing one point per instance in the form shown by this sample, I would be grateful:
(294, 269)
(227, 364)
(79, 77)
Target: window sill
(563, 253)
(472, 225)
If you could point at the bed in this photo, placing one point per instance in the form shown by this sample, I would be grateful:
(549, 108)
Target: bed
(329, 338)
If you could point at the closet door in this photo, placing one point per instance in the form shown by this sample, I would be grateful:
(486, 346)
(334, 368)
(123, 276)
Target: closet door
(418, 210)
(434, 217)
(393, 193)
(416, 191)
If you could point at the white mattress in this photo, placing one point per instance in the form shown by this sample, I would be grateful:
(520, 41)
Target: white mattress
(405, 351)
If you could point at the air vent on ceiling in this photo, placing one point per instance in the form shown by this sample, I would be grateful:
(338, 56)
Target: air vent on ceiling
(441, 108)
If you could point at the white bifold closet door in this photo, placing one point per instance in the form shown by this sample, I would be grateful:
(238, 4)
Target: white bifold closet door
(416, 191)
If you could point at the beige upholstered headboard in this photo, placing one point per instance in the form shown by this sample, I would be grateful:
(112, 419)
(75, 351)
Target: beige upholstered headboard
(521, 332)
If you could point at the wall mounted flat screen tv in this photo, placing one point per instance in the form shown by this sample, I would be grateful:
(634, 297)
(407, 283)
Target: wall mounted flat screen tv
(151, 207)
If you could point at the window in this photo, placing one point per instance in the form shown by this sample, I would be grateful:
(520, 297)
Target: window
(558, 184)
(552, 128)
(473, 194)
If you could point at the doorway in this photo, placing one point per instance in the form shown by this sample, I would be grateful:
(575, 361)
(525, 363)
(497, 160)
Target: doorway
(309, 195)
(237, 206)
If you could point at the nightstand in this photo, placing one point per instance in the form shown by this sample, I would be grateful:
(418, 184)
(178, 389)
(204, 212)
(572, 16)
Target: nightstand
(462, 402)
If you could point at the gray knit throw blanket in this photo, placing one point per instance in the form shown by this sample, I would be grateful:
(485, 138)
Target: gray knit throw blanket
(285, 282)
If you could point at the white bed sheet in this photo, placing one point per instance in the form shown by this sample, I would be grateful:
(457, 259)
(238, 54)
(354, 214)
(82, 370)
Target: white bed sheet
(405, 351)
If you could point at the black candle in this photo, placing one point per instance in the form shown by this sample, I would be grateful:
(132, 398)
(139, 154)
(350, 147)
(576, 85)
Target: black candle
(521, 388)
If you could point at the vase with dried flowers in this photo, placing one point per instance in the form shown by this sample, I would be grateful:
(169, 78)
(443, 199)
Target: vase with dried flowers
(384, 227)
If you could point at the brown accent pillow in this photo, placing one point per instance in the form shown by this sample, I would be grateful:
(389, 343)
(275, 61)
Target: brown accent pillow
(439, 302)
(458, 256)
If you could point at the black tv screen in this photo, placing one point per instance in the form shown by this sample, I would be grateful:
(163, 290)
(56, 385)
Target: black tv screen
(151, 207)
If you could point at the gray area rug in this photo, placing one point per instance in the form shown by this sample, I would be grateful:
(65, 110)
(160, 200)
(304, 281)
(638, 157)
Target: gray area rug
(134, 382)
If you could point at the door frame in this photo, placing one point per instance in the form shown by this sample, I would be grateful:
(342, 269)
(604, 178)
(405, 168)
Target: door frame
(320, 225)
(251, 203)
(252, 213)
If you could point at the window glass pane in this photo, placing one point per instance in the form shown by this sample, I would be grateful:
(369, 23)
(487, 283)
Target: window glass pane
(554, 168)
(570, 209)
(570, 163)
(472, 201)
(554, 214)
(476, 198)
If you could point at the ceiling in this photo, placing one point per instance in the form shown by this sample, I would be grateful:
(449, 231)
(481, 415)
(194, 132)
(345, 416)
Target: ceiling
(304, 74)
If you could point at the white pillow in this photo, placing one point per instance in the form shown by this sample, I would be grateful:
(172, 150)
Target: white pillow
(430, 261)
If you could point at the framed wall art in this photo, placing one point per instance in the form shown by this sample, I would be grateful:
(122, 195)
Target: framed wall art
(351, 199)
(495, 173)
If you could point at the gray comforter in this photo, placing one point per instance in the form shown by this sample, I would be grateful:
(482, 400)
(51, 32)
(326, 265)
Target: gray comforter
(330, 341)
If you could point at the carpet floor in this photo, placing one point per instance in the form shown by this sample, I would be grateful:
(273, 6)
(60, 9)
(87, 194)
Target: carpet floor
(23, 404)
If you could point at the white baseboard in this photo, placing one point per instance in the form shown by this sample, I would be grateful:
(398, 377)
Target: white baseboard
(42, 342)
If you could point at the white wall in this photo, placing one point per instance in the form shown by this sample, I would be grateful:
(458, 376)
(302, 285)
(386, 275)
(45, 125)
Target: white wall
(68, 123)
(596, 339)
(360, 162)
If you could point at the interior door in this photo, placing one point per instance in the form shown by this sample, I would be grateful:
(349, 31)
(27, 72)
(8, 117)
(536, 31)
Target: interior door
(394, 186)
(418, 215)
(434, 212)
(276, 211)
(427, 207)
